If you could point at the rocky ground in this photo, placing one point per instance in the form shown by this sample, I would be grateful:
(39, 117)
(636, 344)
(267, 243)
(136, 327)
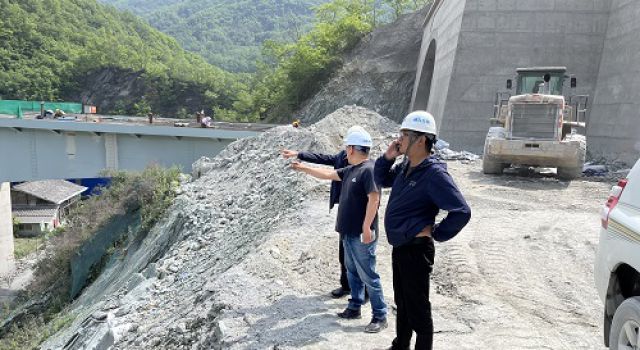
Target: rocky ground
(18, 277)
(249, 256)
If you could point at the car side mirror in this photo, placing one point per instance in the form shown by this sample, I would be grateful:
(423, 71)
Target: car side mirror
(509, 84)
(574, 82)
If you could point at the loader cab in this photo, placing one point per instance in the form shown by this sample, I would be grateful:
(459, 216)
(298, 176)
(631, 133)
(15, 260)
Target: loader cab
(540, 80)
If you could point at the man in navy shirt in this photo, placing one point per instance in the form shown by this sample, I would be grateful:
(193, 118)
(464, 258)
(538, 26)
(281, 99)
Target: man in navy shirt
(338, 161)
(420, 188)
(357, 224)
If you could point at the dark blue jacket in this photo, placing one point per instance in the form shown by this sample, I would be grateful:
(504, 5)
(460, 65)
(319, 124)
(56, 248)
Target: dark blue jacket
(415, 200)
(337, 161)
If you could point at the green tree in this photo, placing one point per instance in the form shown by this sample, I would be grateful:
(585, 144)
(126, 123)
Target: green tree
(142, 108)
(293, 72)
(51, 49)
(400, 7)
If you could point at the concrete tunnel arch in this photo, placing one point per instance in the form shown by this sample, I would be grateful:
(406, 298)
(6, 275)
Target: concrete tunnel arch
(426, 76)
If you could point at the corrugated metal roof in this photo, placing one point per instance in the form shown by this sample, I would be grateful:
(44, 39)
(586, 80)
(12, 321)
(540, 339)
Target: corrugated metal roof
(54, 191)
(34, 215)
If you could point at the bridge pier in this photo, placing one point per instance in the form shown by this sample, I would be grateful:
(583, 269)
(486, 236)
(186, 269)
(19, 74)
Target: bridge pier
(6, 230)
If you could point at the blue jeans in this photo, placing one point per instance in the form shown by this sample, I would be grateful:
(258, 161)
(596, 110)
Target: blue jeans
(360, 260)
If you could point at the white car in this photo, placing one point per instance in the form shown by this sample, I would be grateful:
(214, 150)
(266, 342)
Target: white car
(617, 268)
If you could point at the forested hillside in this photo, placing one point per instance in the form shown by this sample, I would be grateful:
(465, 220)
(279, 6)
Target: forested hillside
(227, 33)
(50, 48)
(141, 7)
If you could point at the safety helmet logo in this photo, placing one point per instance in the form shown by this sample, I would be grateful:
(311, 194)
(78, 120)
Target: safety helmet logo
(421, 120)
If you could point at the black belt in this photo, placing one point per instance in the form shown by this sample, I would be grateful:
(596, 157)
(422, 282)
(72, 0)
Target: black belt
(420, 240)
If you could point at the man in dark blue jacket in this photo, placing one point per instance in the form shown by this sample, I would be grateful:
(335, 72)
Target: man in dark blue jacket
(338, 161)
(420, 188)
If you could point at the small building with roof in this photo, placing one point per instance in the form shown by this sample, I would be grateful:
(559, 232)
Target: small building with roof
(41, 206)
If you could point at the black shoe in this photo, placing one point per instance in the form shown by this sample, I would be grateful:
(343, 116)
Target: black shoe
(395, 346)
(340, 292)
(349, 314)
(376, 325)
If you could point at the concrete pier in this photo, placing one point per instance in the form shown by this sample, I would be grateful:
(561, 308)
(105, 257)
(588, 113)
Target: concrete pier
(6, 230)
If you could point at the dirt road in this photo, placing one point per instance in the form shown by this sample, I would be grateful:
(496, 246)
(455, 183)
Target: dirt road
(518, 277)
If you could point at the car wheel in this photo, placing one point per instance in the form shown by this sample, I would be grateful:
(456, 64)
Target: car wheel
(626, 323)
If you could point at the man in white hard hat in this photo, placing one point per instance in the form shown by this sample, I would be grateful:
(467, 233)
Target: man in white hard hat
(420, 188)
(337, 161)
(357, 224)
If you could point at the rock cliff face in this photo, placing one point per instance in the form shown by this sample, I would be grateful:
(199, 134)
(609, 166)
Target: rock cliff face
(106, 87)
(116, 90)
(378, 74)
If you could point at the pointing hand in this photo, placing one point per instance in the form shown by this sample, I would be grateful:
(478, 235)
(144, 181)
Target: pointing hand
(286, 153)
(297, 166)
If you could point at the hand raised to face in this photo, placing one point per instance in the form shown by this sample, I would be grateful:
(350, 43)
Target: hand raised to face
(393, 151)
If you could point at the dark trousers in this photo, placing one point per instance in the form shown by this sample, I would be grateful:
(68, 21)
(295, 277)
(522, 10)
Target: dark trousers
(344, 282)
(412, 265)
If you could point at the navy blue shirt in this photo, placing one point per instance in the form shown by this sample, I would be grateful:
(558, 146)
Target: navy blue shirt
(357, 183)
(338, 161)
(416, 199)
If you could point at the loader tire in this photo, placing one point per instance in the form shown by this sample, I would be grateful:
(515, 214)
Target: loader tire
(491, 166)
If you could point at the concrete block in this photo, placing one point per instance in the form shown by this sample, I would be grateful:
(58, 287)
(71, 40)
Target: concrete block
(537, 5)
(575, 5)
(485, 5)
(486, 22)
(506, 5)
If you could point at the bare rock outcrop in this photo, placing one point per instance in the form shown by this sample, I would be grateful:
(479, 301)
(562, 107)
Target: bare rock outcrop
(378, 74)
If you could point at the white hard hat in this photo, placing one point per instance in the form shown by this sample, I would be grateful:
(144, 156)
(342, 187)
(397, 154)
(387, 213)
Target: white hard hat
(358, 137)
(355, 128)
(420, 121)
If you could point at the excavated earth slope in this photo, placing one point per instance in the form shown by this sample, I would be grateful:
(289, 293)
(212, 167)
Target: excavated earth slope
(377, 74)
(247, 255)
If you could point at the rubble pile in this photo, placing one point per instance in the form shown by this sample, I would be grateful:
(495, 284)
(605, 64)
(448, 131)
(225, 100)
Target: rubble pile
(167, 299)
(606, 169)
(444, 153)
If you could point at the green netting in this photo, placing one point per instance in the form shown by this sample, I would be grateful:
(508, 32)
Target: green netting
(17, 108)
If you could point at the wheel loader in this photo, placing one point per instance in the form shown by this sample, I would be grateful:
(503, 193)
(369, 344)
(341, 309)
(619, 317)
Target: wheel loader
(539, 125)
